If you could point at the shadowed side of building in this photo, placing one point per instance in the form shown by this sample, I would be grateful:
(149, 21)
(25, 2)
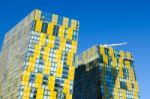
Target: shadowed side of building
(105, 73)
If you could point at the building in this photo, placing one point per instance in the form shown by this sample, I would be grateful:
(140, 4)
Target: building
(105, 73)
(37, 58)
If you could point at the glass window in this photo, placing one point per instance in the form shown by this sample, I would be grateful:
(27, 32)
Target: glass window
(123, 85)
(56, 29)
(33, 25)
(32, 78)
(125, 73)
(45, 80)
(46, 16)
(44, 27)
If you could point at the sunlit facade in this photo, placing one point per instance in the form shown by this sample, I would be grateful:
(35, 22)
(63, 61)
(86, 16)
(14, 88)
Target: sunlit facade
(105, 73)
(37, 60)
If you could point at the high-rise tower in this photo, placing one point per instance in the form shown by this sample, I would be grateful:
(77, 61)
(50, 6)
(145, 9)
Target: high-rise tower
(105, 73)
(37, 58)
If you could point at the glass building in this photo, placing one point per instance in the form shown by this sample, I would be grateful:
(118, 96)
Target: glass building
(37, 60)
(105, 73)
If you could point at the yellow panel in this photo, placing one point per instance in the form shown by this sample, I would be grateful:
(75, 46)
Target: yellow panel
(136, 86)
(71, 68)
(135, 97)
(45, 58)
(131, 74)
(66, 88)
(37, 14)
(67, 81)
(30, 67)
(65, 21)
(129, 85)
(50, 28)
(124, 94)
(74, 43)
(53, 97)
(38, 47)
(74, 48)
(128, 55)
(41, 43)
(47, 63)
(51, 78)
(53, 94)
(71, 72)
(25, 76)
(59, 72)
(60, 65)
(51, 41)
(120, 72)
(51, 86)
(70, 55)
(61, 31)
(54, 18)
(43, 35)
(121, 53)
(114, 61)
(70, 33)
(58, 55)
(135, 94)
(38, 26)
(121, 60)
(102, 50)
(24, 97)
(51, 37)
(62, 44)
(40, 93)
(39, 78)
(46, 50)
(46, 70)
(71, 76)
(26, 92)
(68, 96)
(111, 52)
(74, 24)
(42, 39)
(105, 59)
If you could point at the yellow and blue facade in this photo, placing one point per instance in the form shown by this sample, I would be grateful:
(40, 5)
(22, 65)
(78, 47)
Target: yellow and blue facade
(38, 61)
(38, 58)
(105, 73)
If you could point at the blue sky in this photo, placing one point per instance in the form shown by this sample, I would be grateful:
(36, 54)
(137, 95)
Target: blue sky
(101, 21)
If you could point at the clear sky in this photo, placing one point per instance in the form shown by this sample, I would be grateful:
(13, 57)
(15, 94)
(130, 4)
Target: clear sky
(101, 21)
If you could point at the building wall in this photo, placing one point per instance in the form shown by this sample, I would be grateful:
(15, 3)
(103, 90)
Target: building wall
(48, 65)
(115, 74)
(13, 54)
(86, 85)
